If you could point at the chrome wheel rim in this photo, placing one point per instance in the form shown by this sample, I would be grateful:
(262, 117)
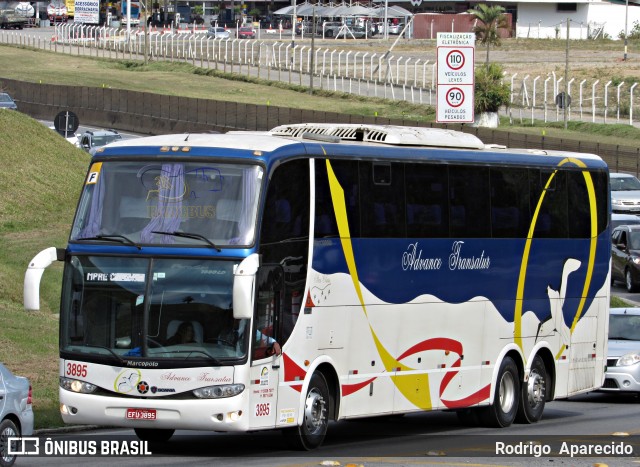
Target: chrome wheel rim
(315, 412)
(507, 393)
(535, 388)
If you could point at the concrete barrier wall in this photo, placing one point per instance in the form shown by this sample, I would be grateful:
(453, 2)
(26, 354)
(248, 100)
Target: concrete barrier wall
(153, 114)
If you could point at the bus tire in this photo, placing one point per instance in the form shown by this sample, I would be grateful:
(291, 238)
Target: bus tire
(502, 412)
(329, 33)
(8, 430)
(310, 434)
(154, 435)
(534, 393)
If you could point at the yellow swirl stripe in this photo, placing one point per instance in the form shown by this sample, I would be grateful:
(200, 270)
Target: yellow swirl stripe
(414, 387)
(517, 320)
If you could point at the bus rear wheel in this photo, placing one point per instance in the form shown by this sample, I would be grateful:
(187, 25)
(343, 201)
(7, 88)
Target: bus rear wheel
(154, 435)
(534, 393)
(506, 398)
(315, 421)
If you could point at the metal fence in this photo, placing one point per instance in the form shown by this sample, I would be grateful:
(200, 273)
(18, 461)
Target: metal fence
(372, 74)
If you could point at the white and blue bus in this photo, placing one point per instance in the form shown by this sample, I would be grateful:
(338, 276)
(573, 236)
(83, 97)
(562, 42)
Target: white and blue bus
(329, 272)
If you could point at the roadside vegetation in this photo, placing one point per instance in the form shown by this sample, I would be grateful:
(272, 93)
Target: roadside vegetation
(40, 182)
(183, 79)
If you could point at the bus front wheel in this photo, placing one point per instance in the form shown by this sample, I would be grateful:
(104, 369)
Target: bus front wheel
(154, 435)
(315, 421)
(534, 393)
(506, 397)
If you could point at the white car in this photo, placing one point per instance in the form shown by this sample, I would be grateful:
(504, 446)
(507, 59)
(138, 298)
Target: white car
(625, 193)
(218, 33)
(16, 412)
(396, 28)
(623, 354)
(71, 137)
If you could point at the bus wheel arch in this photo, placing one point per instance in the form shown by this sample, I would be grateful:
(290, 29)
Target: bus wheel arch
(506, 395)
(320, 406)
(333, 384)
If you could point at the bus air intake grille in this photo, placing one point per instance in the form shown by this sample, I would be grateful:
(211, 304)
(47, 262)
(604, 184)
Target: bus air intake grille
(385, 134)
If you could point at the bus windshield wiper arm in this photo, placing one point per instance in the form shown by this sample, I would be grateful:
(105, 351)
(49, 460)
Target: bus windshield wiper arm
(214, 360)
(189, 235)
(113, 238)
(118, 357)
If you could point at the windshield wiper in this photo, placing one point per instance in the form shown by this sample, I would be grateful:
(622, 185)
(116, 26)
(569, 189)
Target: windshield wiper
(118, 357)
(189, 235)
(215, 361)
(113, 238)
(620, 338)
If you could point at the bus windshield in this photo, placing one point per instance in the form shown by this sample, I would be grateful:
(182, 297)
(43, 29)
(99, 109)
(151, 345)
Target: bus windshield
(123, 308)
(168, 203)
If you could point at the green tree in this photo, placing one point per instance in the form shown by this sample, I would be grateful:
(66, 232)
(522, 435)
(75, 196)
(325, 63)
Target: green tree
(490, 20)
(491, 92)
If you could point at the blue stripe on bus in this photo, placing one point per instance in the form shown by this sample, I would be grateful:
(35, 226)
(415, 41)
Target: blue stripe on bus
(382, 271)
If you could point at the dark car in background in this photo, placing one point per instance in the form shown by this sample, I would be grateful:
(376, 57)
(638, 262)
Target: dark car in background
(625, 256)
(6, 102)
(625, 193)
(16, 412)
(623, 353)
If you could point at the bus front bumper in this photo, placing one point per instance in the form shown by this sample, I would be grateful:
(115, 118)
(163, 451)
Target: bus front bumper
(226, 414)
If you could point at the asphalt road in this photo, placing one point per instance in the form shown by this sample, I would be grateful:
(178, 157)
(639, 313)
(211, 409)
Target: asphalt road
(427, 439)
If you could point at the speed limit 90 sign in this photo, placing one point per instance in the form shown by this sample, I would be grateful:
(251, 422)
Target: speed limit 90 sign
(455, 97)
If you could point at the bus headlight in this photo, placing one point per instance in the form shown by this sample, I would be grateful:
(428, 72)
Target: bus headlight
(217, 392)
(75, 385)
(628, 359)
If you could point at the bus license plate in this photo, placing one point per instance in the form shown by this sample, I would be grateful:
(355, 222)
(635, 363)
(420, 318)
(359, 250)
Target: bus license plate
(141, 414)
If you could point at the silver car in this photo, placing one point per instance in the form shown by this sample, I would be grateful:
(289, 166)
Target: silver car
(623, 355)
(16, 412)
(625, 193)
(6, 102)
(218, 33)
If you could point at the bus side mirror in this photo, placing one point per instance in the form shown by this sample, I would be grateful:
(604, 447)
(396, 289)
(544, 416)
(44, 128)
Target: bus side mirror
(32, 277)
(244, 287)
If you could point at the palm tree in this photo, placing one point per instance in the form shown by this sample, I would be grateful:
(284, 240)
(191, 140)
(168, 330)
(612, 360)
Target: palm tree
(490, 19)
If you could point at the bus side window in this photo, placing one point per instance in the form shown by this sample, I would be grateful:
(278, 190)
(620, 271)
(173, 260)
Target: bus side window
(284, 241)
(269, 309)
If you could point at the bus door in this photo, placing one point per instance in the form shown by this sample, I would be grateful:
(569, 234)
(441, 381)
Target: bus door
(265, 364)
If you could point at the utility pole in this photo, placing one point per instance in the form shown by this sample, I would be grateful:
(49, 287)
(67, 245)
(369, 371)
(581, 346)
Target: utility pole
(144, 22)
(626, 18)
(313, 54)
(566, 77)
